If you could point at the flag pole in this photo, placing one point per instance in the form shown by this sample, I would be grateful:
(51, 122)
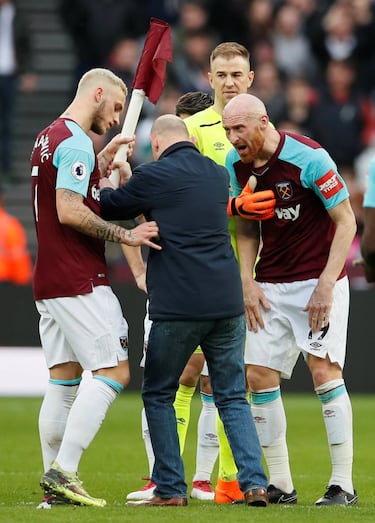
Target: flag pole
(128, 129)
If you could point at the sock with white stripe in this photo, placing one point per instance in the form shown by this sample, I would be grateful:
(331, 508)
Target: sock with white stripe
(85, 419)
(338, 419)
(207, 444)
(270, 422)
(57, 402)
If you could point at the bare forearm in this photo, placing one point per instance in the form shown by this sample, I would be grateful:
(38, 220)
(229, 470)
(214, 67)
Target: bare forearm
(137, 265)
(342, 240)
(247, 234)
(73, 212)
(92, 225)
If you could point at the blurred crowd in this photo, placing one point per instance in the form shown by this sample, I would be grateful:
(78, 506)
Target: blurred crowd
(314, 64)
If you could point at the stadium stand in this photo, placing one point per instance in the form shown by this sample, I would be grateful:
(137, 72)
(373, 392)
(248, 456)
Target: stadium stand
(54, 62)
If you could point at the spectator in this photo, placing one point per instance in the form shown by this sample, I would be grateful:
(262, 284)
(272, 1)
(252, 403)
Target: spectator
(15, 259)
(96, 26)
(269, 87)
(263, 51)
(300, 98)
(228, 19)
(166, 104)
(194, 16)
(259, 17)
(165, 10)
(193, 38)
(293, 55)
(343, 32)
(123, 59)
(339, 118)
(16, 72)
(190, 68)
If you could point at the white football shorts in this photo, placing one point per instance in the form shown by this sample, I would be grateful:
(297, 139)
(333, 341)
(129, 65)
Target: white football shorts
(286, 330)
(88, 328)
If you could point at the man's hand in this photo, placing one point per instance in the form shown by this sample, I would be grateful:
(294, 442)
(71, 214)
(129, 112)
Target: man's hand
(252, 205)
(255, 302)
(106, 156)
(142, 234)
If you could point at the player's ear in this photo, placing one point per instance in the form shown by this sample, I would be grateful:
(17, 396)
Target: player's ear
(98, 94)
(155, 146)
(264, 121)
(251, 79)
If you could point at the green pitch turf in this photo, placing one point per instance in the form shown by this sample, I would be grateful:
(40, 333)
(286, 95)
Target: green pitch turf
(115, 463)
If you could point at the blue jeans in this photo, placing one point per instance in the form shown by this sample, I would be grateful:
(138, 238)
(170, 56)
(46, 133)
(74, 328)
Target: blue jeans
(170, 345)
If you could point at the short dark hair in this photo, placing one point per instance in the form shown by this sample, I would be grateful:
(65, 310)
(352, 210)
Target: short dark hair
(193, 102)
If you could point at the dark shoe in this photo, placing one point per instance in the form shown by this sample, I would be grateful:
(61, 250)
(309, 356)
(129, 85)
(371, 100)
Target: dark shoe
(256, 497)
(50, 500)
(278, 496)
(336, 496)
(157, 501)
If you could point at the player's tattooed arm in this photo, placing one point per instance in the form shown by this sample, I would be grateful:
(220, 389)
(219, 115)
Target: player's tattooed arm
(72, 212)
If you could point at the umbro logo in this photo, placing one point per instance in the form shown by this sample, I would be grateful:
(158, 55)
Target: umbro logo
(259, 419)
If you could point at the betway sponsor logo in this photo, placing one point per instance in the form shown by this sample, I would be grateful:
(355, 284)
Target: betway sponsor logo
(288, 213)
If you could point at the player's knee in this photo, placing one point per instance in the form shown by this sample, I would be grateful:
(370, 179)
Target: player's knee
(120, 374)
(188, 380)
(189, 376)
(259, 378)
(323, 370)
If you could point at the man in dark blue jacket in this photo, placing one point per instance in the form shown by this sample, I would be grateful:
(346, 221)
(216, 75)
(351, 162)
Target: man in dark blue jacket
(195, 298)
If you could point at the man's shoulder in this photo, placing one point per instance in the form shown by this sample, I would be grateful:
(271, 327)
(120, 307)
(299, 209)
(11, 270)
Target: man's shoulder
(205, 118)
(67, 133)
(232, 156)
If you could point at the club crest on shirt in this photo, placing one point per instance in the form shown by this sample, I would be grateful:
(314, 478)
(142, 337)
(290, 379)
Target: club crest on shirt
(79, 171)
(124, 342)
(284, 190)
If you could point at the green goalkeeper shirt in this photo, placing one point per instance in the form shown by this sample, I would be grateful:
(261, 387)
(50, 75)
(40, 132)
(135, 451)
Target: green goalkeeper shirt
(210, 139)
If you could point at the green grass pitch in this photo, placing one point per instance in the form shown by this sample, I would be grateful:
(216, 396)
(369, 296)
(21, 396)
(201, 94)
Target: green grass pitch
(115, 463)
